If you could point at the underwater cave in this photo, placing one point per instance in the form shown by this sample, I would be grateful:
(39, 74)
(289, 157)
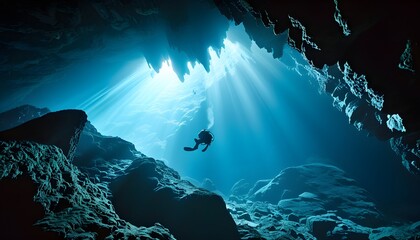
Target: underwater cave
(312, 110)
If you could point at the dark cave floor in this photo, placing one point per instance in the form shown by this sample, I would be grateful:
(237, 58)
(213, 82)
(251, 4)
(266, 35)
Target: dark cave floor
(102, 188)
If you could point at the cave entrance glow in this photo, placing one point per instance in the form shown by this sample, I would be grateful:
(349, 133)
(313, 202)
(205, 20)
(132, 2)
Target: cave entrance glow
(260, 109)
(148, 107)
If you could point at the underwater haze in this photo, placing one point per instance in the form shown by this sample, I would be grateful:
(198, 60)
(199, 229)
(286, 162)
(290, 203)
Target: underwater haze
(310, 113)
(266, 115)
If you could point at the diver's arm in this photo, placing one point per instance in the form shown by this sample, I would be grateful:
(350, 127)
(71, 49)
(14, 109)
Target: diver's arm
(205, 148)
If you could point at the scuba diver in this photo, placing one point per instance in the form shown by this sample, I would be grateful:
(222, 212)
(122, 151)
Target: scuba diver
(204, 137)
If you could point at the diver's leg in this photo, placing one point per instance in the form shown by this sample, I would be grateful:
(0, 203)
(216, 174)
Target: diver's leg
(196, 145)
(193, 148)
(188, 149)
(205, 148)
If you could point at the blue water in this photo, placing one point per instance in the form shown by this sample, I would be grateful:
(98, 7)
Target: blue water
(258, 132)
(264, 115)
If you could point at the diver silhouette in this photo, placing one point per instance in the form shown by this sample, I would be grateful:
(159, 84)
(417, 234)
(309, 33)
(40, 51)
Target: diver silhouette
(204, 137)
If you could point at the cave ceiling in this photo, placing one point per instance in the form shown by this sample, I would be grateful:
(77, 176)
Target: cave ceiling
(367, 54)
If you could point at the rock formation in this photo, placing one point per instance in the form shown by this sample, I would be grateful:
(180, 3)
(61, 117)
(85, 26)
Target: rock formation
(115, 191)
(61, 201)
(55, 167)
(58, 198)
(364, 54)
(39, 39)
(317, 188)
(151, 192)
(314, 201)
(103, 158)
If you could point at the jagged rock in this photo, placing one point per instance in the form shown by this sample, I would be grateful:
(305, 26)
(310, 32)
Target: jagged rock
(245, 216)
(407, 231)
(292, 217)
(38, 39)
(249, 233)
(330, 226)
(93, 145)
(103, 158)
(61, 129)
(264, 36)
(267, 221)
(317, 188)
(106, 158)
(151, 192)
(343, 48)
(320, 227)
(66, 203)
(49, 193)
(262, 220)
(408, 147)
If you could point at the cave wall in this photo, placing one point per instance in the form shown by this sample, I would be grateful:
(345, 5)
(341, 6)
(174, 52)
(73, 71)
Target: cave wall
(364, 54)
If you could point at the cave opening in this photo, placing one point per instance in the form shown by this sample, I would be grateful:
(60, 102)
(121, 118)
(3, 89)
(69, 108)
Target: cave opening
(294, 143)
(267, 113)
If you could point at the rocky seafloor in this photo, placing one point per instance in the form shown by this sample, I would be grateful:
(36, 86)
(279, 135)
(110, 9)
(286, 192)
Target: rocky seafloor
(61, 179)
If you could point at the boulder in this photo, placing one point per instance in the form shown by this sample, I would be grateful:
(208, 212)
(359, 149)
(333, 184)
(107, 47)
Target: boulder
(330, 226)
(44, 196)
(152, 192)
(103, 158)
(318, 188)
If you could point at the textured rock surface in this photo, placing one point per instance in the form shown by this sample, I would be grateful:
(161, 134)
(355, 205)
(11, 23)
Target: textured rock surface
(103, 158)
(48, 197)
(75, 203)
(300, 214)
(145, 191)
(365, 55)
(262, 220)
(40, 38)
(64, 202)
(408, 231)
(317, 188)
(265, 221)
(151, 192)
(61, 129)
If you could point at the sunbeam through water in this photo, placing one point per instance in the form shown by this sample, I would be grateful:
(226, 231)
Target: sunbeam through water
(259, 108)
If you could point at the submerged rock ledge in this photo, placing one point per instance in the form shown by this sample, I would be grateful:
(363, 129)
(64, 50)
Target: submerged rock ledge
(313, 201)
(112, 191)
(67, 204)
(74, 202)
